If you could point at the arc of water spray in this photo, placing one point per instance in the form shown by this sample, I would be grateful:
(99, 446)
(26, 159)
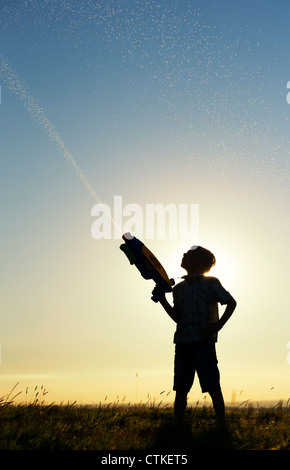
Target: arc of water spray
(19, 87)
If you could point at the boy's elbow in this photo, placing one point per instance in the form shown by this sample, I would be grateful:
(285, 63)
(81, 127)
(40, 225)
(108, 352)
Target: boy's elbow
(232, 303)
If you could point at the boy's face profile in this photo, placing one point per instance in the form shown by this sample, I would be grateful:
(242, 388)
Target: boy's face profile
(191, 261)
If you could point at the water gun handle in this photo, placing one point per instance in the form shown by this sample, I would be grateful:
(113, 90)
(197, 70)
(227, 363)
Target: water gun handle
(157, 292)
(155, 297)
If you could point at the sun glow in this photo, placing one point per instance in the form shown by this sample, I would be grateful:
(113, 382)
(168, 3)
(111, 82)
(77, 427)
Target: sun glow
(224, 269)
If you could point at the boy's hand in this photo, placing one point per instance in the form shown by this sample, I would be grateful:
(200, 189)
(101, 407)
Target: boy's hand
(211, 329)
(159, 292)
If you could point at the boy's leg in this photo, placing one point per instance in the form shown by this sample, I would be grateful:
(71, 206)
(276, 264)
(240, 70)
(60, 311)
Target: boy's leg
(209, 377)
(184, 372)
(180, 406)
(219, 405)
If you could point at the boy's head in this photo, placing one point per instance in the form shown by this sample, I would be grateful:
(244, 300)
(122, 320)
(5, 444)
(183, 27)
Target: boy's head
(198, 259)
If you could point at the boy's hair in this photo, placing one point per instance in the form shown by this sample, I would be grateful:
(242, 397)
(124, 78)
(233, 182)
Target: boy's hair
(207, 258)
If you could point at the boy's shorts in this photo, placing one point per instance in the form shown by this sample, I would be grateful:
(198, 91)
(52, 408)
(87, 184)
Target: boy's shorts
(197, 357)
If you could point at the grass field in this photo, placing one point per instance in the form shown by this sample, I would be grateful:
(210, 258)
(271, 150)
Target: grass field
(37, 426)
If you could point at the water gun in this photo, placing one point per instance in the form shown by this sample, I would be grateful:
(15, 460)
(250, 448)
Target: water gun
(148, 265)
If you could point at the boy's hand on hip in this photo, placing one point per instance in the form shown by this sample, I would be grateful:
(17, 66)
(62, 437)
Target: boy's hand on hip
(211, 329)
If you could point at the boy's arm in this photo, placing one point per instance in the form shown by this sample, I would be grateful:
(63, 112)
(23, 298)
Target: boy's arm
(171, 311)
(215, 327)
(231, 305)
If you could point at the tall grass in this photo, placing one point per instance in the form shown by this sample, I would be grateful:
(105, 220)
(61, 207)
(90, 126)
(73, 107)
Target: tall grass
(34, 424)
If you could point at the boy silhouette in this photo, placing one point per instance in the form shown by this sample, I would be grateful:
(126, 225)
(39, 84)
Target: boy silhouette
(195, 311)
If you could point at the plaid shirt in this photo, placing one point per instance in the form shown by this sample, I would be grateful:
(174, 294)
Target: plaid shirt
(197, 302)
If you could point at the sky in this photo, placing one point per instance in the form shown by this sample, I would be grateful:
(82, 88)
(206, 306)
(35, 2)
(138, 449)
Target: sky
(153, 102)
